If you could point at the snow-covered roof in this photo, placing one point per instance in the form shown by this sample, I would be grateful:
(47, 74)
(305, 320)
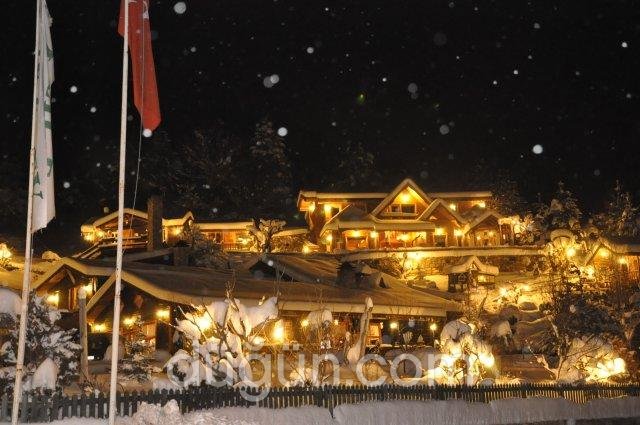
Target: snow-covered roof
(471, 262)
(91, 226)
(478, 220)
(461, 195)
(440, 203)
(194, 285)
(623, 246)
(234, 225)
(406, 183)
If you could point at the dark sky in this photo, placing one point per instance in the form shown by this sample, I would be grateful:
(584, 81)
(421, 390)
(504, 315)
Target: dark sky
(430, 87)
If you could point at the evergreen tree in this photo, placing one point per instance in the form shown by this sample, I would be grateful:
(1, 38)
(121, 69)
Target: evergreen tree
(270, 181)
(562, 212)
(44, 340)
(136, 363)
(355, 169)
(620, 217)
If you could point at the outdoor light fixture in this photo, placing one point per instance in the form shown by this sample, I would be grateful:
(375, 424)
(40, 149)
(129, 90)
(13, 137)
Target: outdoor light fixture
(203, 322)
(457, 233)
(312, 207)
(306, 249)
(433, 326)
(89, 237)
(482, 204)
(622, 261)
(503, 292)
(88, 288)
(373, 234)
(439, 231)
(162, 313)
(405, 197)
(53, 299)
(603, 252)
(571, 252)
(329, 238)
(393, 325)
(5, 253)
(278, 332)
(304, 323)
(177, 231)
(336, 322)
(129, 321)
(98, 327)
(453, 207)
(327, 209)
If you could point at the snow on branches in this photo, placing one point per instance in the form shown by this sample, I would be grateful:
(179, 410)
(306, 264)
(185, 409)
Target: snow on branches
(52, 353)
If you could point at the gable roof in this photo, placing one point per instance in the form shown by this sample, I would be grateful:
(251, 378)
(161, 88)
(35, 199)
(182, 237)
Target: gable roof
(440, 203)
(620, 246)
(478, 220)
(395, 192)
(470, 262)
(90, 226)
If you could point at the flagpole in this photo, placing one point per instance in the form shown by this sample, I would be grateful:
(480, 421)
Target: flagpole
(115, 328)
(26, 278)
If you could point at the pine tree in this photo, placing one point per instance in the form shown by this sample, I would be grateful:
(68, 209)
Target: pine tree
(136, 364)
(270, 186)
(355, 168)
(44, 339)
(562, 212)
(620, 217)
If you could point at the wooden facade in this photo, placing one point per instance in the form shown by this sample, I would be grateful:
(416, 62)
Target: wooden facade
(405, 217)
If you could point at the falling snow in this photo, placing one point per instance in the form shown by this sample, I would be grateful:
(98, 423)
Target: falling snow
(180, 7)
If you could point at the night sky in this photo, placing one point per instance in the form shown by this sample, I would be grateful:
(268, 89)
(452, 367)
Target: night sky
(430, 87)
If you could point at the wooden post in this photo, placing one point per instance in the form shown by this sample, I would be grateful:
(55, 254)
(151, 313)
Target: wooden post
(84, 357)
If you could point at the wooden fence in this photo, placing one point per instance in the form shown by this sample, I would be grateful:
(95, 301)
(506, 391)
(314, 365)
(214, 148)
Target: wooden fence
(45, 408)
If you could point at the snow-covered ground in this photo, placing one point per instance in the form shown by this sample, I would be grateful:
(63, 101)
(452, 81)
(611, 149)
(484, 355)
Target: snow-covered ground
(507, 411)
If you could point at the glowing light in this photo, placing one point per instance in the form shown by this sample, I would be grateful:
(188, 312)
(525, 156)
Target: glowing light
(129, 321)
(336, 322)
(393, 325)
(482, 278)
(99, 327)
(89, 237)
(526, 288)
(306, 249)
(433, 327)
(482, 204)
(604, 253)
(100, 234)
(53, 299)
(327, 209)
(304, 323)
(503, 292)
(356, 233)
(571, 252)
(457, 233)
(403, 237)
(373, 234)
(622, 261)
(453, 207)
(329, 238)
(88, 288)
(5, 253)
(177, 231)
(487, 359)
(491, 233)
(162, 314)
(278, 332)
(312, 207)
(405, 197)
(439, 231)
(203, 322)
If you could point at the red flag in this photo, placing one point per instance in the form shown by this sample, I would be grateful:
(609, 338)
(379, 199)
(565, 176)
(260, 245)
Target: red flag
(145, 90)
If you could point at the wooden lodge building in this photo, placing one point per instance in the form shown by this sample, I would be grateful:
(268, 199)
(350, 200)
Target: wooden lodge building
(405, 217)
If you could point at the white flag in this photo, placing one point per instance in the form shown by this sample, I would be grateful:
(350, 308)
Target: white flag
(44, 208)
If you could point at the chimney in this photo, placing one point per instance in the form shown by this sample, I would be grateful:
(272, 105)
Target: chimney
(154, 225)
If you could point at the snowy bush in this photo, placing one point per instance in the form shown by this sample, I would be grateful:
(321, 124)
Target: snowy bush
(45, 342)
